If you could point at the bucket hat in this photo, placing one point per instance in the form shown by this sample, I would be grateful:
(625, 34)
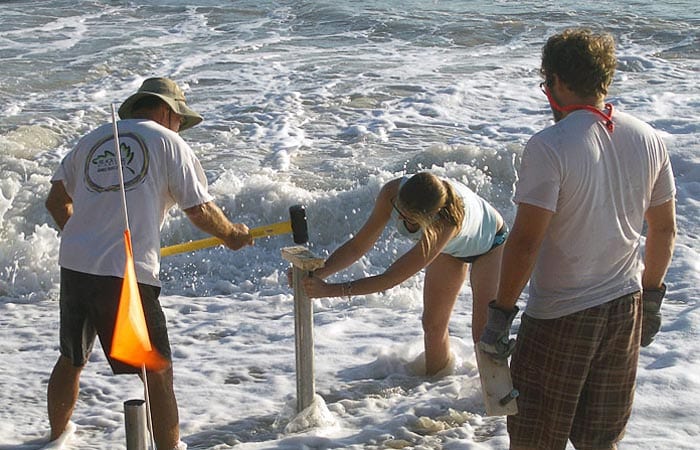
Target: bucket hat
(168, 91)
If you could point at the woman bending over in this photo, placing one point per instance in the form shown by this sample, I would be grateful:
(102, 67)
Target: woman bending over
(453, 228)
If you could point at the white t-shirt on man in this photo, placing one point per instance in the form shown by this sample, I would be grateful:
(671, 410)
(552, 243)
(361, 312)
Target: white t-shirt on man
(599, 186)
(160, 170)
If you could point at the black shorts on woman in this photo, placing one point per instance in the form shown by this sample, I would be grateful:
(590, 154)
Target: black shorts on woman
(498, 239)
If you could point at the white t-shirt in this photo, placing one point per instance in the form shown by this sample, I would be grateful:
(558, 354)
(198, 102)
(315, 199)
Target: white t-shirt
(160, 170)
(599, 186)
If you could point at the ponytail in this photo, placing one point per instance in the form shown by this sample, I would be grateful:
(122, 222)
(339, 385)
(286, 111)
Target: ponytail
(454, 206)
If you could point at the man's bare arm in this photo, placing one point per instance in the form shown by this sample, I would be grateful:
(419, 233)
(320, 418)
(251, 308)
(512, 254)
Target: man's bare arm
(520, 252)
(661, 237)
(59, 204)
(209, 218)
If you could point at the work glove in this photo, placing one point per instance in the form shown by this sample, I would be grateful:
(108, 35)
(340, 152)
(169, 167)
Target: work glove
(495, 339)
(651, 314)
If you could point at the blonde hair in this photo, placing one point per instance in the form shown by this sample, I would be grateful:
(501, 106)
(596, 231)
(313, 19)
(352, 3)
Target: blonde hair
(426, 199)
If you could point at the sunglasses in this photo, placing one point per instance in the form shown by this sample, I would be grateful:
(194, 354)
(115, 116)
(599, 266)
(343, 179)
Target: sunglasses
(400, 213)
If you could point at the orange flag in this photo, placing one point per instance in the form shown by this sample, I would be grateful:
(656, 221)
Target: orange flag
(130, 342)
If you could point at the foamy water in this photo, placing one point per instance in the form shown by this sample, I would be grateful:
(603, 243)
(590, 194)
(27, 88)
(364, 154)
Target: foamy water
(320, 104)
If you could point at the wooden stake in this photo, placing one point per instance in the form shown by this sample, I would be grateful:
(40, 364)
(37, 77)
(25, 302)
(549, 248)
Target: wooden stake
(303, 262)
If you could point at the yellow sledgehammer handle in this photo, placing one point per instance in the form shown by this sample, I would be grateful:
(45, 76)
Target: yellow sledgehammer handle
(258, 232)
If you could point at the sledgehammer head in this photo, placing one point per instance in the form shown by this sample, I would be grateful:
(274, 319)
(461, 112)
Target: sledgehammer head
(297, 217)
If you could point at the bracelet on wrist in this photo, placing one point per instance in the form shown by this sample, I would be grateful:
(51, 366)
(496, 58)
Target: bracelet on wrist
(347, 289)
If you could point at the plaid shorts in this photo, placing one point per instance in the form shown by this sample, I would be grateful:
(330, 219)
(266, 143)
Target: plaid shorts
(89, 306)
(576, 376)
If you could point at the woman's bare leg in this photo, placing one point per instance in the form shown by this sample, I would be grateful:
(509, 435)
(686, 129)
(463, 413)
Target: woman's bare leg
(443, 281)
(484, 281)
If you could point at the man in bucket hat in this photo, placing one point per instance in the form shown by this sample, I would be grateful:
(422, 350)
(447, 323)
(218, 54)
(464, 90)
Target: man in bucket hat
(159, 170)
(170, 93)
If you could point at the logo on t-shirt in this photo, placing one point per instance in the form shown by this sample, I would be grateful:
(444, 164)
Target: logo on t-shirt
(101, 165)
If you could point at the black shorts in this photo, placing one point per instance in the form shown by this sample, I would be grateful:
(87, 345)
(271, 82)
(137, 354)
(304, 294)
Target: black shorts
(89, 306)
(498, 239)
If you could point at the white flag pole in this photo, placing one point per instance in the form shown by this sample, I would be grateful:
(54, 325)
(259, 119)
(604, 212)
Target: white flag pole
(118, 153)
(117, 149)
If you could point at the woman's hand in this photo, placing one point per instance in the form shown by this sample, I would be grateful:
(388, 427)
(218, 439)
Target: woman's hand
(316, 287)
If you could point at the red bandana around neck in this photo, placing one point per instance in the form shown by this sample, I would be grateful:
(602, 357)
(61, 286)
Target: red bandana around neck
(606, 116)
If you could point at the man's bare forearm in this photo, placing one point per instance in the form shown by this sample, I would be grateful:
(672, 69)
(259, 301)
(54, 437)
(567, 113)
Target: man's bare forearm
(209, 218)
